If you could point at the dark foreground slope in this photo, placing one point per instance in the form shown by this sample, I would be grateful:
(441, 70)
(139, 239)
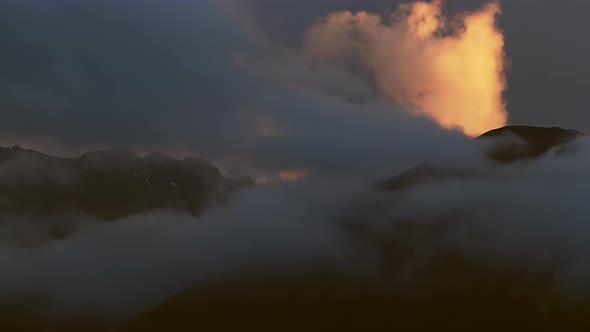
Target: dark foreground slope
(106, 184)
(464, 298)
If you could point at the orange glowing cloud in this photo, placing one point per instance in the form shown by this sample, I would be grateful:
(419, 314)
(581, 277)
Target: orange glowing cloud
(449, 69)
(292, 175)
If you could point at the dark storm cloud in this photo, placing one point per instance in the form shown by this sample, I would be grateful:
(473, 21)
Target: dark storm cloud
(329, 134)
(129, 74)
(201, 74)
(118, 72)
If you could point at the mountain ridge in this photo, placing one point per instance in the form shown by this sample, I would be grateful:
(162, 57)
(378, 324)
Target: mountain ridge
(505, 145)
(108, 184)
(514, 143)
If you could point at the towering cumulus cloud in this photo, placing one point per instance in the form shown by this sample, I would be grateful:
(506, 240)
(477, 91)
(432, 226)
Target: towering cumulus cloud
(450, 69)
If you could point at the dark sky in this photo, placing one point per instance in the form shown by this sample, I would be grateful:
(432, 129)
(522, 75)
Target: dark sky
(117, 72)
(154, 74)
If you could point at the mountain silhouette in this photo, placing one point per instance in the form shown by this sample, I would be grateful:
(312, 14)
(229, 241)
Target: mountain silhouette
(503, 145)
(514, 143)
(108, 184)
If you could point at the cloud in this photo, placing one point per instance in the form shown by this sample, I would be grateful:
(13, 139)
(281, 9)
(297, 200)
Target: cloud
(546, 81)
(528, 215)
(134, 263)
(500, 221)
(118, 74)
(327, 134)
(152, 77)
(449, 68)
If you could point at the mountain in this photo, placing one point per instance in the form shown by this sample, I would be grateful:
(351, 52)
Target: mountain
(421, 173)
(503, 145)
(423, 285)
(107, 184)
(513, 143)
(116, 183)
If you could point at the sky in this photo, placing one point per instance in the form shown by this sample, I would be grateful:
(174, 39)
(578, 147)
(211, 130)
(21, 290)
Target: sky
(167, 76)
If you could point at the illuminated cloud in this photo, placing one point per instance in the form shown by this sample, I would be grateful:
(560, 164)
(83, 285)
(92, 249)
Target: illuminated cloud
(449, 69)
